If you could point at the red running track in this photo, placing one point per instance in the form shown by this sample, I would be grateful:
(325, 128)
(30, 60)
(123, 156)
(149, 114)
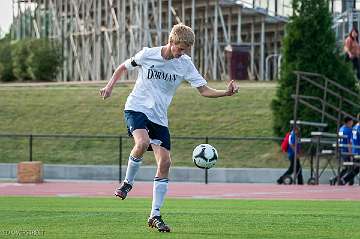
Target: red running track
(185, 190)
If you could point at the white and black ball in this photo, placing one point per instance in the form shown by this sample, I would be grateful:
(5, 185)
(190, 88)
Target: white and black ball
(205, 156)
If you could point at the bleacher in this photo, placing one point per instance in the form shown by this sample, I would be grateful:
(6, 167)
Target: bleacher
(324, 148)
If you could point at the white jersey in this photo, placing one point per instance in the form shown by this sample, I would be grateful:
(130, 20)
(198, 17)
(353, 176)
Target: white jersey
(157, 82)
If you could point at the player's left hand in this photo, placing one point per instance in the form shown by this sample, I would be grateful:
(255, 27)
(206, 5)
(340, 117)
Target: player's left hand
(232, 88)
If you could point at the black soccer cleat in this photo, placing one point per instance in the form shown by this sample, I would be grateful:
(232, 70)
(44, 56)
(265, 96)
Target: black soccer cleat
(351, 182)
(123, 190)
(333, 181)
(158, 223)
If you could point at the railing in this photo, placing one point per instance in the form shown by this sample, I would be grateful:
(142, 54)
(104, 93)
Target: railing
(284, 7)
(338, 6)
(272, 7)
(276, 67)
(332, 89)
(121, 145)
(343, 23)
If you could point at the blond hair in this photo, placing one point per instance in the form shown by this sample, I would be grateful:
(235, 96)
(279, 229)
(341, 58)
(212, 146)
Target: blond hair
(181, 33)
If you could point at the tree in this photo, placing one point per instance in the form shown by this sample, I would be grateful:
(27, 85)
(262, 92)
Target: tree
(19, 52)
(309, 45)
(44, 60)
(6, 69)
(36, 59)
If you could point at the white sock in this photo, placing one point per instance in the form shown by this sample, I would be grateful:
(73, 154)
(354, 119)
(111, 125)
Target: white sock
(132, 169)
(159, 191)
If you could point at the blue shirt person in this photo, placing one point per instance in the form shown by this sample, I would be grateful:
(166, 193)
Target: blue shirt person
(294, 136)
(345, 138)
(356, 139)
(345, 133)
(351, 172)
(294, 139)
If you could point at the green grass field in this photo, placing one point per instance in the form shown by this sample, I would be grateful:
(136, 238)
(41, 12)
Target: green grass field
(189, 218)
(77, 109)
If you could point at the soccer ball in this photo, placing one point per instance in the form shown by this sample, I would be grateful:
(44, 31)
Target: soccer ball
(204, 156)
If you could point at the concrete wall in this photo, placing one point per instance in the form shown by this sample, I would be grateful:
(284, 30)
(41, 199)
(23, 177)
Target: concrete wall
(146, 173)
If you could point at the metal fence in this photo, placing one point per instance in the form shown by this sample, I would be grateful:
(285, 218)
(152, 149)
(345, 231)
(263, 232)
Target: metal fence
(108, 149)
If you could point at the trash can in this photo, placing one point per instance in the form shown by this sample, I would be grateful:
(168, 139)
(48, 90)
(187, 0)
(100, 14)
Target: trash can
(238, 61)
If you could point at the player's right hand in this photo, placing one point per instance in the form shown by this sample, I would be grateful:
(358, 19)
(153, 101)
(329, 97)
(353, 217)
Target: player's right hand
(105, 93)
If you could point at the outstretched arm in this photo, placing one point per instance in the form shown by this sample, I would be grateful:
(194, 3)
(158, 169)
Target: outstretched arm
(207, 91)
(106, 91)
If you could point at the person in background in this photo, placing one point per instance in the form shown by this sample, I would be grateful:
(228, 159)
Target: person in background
(345, 136)
(355, 143)
(293, 137)
(352, 50)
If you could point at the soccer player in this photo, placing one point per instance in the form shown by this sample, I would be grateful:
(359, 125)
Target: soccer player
(161, 71)
(345, 133)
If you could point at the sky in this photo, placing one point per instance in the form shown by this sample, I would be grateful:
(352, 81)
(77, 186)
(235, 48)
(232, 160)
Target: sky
(5, 15)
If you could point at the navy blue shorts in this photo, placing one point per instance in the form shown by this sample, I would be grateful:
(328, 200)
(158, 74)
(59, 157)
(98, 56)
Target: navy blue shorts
(158, 134)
